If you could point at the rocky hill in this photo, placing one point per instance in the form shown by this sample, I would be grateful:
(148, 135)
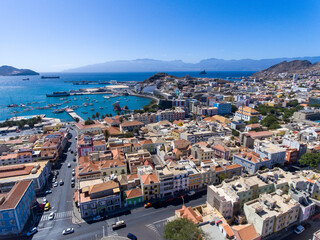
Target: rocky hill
(11, 71)
(162, 76)
(287, 69)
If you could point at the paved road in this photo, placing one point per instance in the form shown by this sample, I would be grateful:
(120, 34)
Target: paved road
(61, 198)
(146, 224)
(307, 234)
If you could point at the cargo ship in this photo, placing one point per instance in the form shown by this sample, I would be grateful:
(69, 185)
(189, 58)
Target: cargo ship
(58, 94)
(49, 77)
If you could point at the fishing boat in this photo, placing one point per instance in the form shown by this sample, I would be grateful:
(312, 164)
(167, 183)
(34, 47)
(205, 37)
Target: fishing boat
(58, 110)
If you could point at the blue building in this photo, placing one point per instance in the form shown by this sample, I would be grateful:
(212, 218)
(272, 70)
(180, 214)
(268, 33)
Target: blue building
(15, 207)
(251, 161)
(224, 108)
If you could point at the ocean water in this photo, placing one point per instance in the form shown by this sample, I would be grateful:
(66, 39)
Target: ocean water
(13, 90)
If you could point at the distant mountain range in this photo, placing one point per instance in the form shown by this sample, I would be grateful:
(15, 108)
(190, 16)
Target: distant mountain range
(11, 71)
(212, 64)
(300, 67)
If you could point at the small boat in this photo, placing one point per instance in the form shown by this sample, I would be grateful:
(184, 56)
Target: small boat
(84, 112)
(106, 97)
(101, 107)
(75, 99)
(58, 110)
(90, 104)
(64, 98)
(92, 109)
(25, 79)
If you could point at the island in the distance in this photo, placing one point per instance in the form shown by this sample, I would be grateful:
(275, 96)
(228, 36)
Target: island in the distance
(11, 71)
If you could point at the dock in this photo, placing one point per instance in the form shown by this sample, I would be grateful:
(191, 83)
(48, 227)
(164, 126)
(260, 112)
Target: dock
(73, 114)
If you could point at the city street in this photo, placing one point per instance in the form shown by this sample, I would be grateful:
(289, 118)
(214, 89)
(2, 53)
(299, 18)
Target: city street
(144, 223)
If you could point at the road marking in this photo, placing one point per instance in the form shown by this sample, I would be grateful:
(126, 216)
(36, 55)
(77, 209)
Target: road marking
(39, 229)
(57, 216)
(154, 229)
(162, 220)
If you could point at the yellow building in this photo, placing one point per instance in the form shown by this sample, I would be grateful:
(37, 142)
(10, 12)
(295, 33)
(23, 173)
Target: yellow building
(52, 128)
(149, 186)
(194, 180)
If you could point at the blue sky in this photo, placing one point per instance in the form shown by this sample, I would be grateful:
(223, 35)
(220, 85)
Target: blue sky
(60, 34)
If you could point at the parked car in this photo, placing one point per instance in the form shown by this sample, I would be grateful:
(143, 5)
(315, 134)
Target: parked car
(32, 231)
(51, 216)
(73, 173)
(170, 199)
(299, 229)
(41, 207)
(68, 231)
(44, 200)
(147, 205)
(97, 218)
(61, 182)
(74, 159)
(71, 151)
(47, 207)
(182, 196)
(69, 165)
(55, 184)
(73, 184)
(119, 224)
(191, 193)
(132, 236)
(53, 180)
(48, 191)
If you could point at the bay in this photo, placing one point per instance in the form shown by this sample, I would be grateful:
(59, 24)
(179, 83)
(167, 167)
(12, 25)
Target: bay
(13, 90)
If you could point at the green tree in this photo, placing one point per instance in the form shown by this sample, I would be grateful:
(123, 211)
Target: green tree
(77, 119)
(121, 119)
(97, 115)
(102, 116)
(93, 116)
(254, 120)
(128, 135)
(88, 122)
(106, 134)
(270, 121)
(182, 229)
(293, 103)
(235, 133)
(222, 176)
(233, 108)
(310, 159)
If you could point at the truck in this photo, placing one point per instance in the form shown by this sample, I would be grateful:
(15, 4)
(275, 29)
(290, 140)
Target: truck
(119, 224)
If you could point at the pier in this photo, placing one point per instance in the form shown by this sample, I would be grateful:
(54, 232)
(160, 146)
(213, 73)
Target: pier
(73, 114)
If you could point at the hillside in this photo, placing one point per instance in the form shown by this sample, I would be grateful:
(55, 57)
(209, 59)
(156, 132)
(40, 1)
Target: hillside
(211, 64)
(11, 71)
(300, 67)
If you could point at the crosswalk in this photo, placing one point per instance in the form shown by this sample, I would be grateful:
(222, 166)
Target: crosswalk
(58, 215)
(153, 228)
